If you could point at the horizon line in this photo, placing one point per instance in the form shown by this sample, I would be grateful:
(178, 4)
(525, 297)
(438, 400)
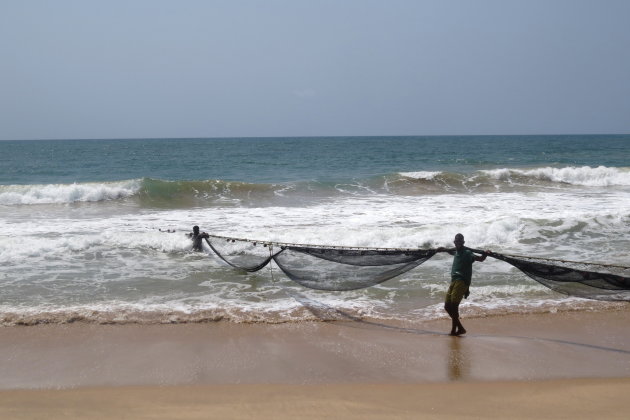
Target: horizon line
(314, 137)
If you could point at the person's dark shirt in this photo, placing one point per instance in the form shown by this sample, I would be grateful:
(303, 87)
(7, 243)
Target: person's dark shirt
(196, 240)
(462, 265)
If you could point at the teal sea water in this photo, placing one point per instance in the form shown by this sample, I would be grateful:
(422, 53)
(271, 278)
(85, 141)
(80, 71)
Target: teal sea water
(269, 160)
(82, 221)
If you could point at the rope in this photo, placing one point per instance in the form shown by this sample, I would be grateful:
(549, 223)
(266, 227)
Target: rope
(296, 245)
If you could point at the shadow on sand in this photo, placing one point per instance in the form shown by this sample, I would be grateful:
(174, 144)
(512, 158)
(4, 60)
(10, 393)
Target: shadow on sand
(329, 314)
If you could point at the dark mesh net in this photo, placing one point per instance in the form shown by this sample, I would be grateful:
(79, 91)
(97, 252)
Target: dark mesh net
(346, 269)
(322, 268)
(587, 280)
(242, 254)
(340, 268)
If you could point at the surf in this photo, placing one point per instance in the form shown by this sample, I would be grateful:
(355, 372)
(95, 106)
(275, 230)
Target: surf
(217, 192)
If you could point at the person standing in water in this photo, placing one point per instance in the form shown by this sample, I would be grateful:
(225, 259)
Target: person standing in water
(197, 237)
(461, 276)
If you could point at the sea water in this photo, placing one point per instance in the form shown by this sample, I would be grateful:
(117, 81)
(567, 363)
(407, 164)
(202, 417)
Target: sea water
(94, 230)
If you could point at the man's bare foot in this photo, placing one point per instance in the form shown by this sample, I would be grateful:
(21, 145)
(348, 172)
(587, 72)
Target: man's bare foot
(453, 333)
(460, 331)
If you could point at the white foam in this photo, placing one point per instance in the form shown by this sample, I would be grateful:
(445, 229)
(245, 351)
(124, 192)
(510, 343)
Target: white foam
(67, 255)
(428, 175)
(67, 193)
(600, 176)
(500, 221)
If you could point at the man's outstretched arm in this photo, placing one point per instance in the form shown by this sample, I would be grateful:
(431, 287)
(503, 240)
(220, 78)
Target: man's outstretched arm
(483, 256)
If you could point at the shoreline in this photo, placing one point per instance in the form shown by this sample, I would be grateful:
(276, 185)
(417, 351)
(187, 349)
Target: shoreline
(316, 311)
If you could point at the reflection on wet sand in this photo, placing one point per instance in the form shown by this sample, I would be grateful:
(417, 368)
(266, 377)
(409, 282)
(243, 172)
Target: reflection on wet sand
(458, 362)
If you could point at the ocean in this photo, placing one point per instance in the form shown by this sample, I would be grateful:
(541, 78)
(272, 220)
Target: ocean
(94, 230)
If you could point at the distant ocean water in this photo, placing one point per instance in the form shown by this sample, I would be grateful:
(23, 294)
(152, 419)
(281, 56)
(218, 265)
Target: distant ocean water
(82, 221)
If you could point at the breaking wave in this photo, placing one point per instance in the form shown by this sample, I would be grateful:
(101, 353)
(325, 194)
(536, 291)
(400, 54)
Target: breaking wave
(156, 192)
(600, 176)
(67, 193)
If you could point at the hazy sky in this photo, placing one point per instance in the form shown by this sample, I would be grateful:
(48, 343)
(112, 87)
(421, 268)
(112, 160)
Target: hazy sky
(121, 69)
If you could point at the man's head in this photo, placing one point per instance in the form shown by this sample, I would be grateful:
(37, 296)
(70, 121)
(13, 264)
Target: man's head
(459, 241)
(195, 229)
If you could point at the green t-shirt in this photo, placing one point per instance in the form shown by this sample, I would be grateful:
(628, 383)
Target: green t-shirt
(462, 265)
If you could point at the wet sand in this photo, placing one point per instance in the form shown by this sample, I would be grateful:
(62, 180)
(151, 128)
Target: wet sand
(551, 365)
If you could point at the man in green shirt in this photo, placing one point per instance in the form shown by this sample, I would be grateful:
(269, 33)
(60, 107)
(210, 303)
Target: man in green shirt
(461, 275)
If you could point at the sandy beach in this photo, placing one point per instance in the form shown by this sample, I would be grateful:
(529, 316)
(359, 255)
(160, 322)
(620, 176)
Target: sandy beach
(574, 364)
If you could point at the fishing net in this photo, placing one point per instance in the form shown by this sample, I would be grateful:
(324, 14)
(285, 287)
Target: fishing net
(349, 268)
(322, 268)
(242, 254)
(346, 269)
(586, 280)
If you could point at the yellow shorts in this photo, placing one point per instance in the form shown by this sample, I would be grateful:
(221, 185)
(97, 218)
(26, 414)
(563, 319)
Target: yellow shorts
(456, 291)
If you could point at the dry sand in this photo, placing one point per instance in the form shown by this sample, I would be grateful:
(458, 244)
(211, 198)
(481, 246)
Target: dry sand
(561, 399)
(569, 365)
